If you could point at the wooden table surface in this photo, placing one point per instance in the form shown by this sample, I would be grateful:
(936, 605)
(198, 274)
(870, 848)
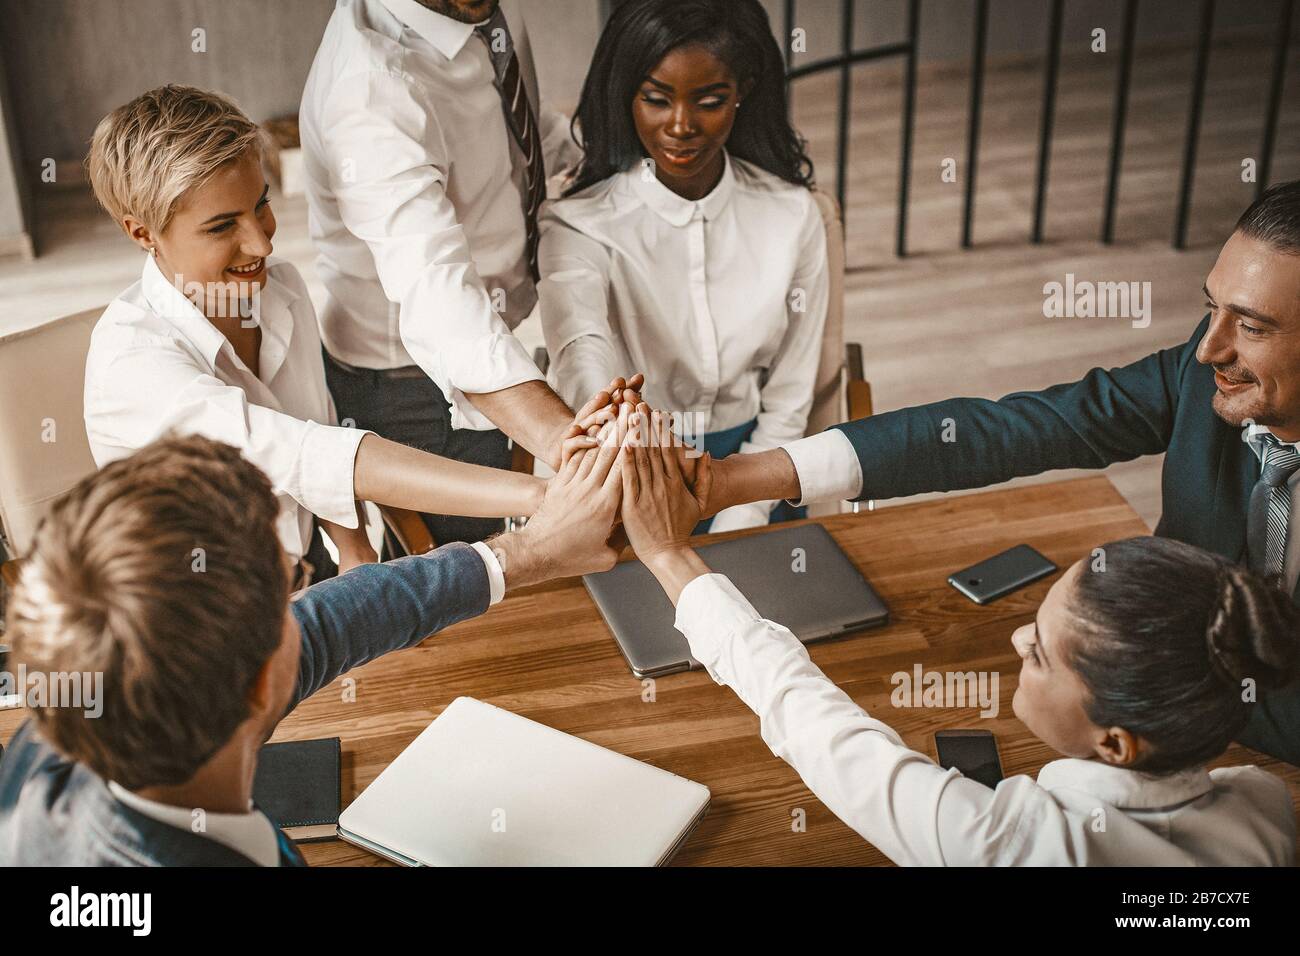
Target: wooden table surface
(545, 653)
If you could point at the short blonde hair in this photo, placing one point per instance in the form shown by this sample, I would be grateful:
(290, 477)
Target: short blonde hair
(147, 154)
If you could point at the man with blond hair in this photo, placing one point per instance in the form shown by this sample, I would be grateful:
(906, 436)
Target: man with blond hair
(162, 574)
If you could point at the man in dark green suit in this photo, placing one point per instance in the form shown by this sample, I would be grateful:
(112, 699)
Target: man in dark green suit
(1224, 407)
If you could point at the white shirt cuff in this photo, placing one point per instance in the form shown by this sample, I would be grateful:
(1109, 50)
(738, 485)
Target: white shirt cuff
(488, 364)
(496, 577)
(753, 514)
(827, 466)
(327, 479)
(708, 610)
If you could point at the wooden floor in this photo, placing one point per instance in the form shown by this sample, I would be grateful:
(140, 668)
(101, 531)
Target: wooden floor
(943, 321)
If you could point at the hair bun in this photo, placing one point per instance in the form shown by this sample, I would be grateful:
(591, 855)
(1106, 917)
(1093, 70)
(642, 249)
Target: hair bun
(1254, 630)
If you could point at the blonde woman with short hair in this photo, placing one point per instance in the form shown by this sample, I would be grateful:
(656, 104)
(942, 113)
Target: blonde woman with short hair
(219, 339)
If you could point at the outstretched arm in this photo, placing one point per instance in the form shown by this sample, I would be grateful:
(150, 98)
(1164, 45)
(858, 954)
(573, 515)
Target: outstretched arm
(349, 620)
(1105, 417)
(912, 810)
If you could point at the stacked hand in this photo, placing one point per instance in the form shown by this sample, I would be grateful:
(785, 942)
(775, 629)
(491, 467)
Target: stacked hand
(624, 477)
(619, 462)
(660, 508)
(571, 531)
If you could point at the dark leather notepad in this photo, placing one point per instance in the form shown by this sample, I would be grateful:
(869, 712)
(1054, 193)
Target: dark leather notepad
(297, 786)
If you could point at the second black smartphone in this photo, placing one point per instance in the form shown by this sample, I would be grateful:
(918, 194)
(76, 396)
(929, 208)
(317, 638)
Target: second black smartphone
(973, 752)
(1001, 574)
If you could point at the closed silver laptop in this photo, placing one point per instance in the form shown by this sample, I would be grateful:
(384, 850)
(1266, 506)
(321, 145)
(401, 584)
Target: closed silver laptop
(797, 576)
(481, 786)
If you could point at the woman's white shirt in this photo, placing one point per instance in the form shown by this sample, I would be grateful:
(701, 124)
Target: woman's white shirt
(1077, 812)
(721, 302)
(156, 364)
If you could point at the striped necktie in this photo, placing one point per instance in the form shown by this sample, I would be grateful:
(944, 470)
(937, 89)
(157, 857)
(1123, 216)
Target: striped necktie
(1270, 507)
(520, 119)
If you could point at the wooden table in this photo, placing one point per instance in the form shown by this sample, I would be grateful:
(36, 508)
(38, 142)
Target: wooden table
(545, 653)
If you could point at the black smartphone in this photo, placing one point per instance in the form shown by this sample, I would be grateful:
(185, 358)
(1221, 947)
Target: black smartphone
(1001, 574)
(973, 752)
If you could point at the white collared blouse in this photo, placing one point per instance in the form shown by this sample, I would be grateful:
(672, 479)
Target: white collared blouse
(1076, 813)
(156, 364)
(721, 302)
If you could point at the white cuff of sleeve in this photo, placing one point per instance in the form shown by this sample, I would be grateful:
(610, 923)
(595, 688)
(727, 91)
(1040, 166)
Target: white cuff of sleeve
(496, 577)
(827, 466)
(753, 514)
(708, 609)
(327, 472)
(487, 364)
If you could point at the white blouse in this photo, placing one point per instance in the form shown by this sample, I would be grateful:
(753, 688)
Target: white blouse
(1075, 813)
(721, 302)
(157, 364)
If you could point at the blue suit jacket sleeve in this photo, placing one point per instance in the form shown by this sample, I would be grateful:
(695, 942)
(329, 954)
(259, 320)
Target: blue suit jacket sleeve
(1107, 416)
(377, 608)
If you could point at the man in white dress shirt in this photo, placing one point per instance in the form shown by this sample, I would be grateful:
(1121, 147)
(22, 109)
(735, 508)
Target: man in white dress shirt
(426, 159)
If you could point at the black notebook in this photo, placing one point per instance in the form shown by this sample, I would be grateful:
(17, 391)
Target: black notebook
(297, 786)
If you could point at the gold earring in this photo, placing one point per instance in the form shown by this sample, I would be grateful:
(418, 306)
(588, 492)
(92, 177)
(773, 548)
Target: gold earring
(154, 251)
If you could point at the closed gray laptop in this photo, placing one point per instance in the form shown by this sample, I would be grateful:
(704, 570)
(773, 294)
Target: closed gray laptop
(796, 576)
(482, 786)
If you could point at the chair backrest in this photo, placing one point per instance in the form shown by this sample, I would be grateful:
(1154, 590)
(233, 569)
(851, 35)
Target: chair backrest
(829, 407)
(43, 446)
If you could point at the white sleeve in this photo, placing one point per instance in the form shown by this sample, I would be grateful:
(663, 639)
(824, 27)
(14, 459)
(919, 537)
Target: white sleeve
(496, 575)
(584, 367)
(141, 393)
(752, 514)
(388, 168)
(786, 397)
(827, 466)
(560, 150)
(573, 295)
(913, 811)
(787, 393)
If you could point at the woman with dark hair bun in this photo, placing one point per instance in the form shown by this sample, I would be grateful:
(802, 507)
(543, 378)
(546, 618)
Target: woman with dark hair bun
(689, 246)
(1141, 666)
(1174, 648)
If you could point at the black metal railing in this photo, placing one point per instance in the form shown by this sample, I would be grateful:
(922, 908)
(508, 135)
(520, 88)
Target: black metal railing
(1274, 95)
(1048, 116)
(849, 57)
(844, 62)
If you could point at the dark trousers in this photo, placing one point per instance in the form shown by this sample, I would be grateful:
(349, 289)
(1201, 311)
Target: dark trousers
(1274, 726)
(322, 565)
(404, 405)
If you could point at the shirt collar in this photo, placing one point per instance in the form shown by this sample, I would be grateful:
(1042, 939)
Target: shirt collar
(676, 210)
(1126, 789)
(170, 304)
(1254, 434)
(448, 36)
